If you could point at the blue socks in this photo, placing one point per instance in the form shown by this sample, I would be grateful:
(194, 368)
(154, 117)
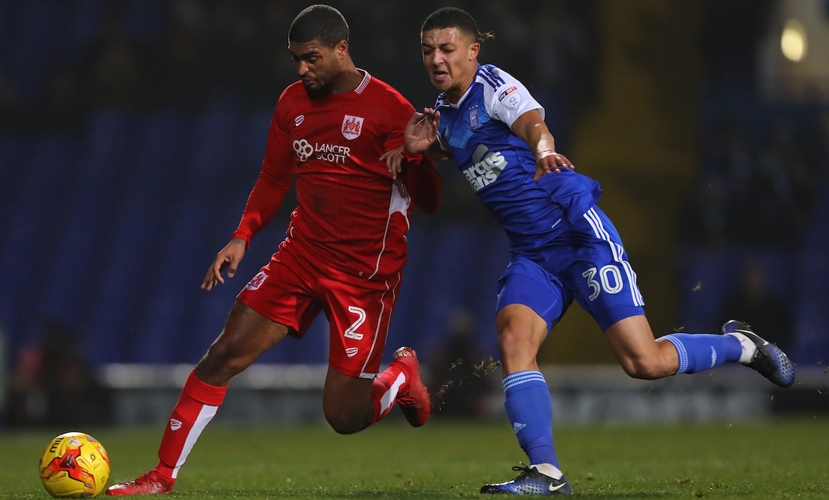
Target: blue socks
(530, 409)
(698, 352)
(530, 412)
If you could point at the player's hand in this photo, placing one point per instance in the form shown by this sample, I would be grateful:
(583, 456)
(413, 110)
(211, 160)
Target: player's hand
(394, 160)
(228, 258)
(421, 131)
(551, 162)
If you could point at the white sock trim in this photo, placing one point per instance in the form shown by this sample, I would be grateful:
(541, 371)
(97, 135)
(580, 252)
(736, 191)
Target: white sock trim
(749, 347)
(390, 395)
(548, 470)
(205, 416)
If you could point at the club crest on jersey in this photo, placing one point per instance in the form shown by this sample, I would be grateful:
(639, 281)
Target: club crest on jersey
(257, 281)
(473, 118)
(352, 126)
(510, 97)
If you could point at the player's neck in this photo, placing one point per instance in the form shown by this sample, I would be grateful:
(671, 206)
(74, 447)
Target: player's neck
(455, 94)
(347, 81)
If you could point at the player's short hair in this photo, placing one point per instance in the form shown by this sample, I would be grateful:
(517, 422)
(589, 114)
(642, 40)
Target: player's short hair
(322, 23)
(452, 17)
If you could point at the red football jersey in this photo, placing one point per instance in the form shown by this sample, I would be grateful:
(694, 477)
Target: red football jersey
(349, 211)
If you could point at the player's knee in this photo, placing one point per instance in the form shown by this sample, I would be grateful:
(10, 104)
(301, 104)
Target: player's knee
(343, 424)
(221, 363)
(513, 344)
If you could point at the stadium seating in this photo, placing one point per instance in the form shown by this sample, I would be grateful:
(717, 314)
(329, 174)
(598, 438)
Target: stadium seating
(110, 227)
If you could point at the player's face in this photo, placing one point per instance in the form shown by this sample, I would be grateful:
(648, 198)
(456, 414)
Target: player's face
(451, 58)
(317, 65)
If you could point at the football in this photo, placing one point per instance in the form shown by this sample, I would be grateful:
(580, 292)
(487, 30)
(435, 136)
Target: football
(74, 465)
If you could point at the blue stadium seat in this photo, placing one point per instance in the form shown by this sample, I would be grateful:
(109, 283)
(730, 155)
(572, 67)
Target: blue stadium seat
(253, 142)
(12, 149)
(93, 199)
(708, 280)
(129, 267)
(35, 216)
(168, 328)
(451, 249)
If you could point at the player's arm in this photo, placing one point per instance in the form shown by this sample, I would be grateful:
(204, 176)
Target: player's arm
(263, 202)
(415, 169)
(424, 184)
(530, 128)
(421, 135)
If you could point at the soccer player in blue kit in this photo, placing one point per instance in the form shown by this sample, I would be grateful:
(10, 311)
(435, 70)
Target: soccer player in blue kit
(563, 246)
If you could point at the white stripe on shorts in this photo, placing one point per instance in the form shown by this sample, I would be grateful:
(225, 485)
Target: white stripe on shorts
(618, 254)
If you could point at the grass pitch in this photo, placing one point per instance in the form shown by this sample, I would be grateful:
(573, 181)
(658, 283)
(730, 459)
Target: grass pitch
(780, 459)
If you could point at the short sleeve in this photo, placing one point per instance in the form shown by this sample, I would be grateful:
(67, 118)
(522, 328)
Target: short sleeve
(510, 99)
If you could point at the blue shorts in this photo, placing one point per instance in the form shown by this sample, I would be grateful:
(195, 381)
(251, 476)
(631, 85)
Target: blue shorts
(587, 263)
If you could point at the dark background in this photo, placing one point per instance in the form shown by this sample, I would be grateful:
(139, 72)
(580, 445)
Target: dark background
(131, 132)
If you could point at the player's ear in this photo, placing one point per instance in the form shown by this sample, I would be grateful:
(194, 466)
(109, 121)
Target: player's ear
(341, 49)
(474, 49)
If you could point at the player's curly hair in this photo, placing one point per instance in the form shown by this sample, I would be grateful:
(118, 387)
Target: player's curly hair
(322, 23)
(453, 17)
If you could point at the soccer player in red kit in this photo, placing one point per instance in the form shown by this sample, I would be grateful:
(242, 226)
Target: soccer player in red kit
(340, 131)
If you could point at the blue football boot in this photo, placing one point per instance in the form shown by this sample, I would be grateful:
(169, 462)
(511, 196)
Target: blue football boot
(769, 360)
(530, 482)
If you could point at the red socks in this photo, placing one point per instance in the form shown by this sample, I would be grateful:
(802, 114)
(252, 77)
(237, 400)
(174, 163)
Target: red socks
(195, 409)
(199, 402)
(385, 389)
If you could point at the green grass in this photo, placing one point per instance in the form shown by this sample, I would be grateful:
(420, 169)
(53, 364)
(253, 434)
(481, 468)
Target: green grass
(780, 459)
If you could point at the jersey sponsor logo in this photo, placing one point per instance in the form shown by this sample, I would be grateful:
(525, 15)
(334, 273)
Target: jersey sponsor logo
(298, 120)
(510, 97)
(352, 126)
(351, 351)
(303, 149)
(473, 118)
(175, 424)
(517, 426)
(257, 281)
(486, 168)
(713, 356)
(332, 153)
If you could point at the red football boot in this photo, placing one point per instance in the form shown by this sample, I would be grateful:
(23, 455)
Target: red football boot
(151, 483)
(415, 402)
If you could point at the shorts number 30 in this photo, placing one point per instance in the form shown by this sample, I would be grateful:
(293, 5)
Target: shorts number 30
(604, 275)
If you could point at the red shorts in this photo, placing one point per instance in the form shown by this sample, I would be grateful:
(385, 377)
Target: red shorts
(293, 288)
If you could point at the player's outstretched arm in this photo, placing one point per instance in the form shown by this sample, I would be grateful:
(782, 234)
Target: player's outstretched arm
(530, 128)
(227, 258)
(421, 135)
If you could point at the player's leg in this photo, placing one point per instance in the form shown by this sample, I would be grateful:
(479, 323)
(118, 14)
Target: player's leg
(606, 288)
(530, 301)
(521, 332)
(346, 402)
(246, 336)
(641, 356)
(355, 394)
(277, 291)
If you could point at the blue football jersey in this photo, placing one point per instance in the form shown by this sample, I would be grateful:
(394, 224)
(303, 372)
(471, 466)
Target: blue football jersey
(500, 166)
